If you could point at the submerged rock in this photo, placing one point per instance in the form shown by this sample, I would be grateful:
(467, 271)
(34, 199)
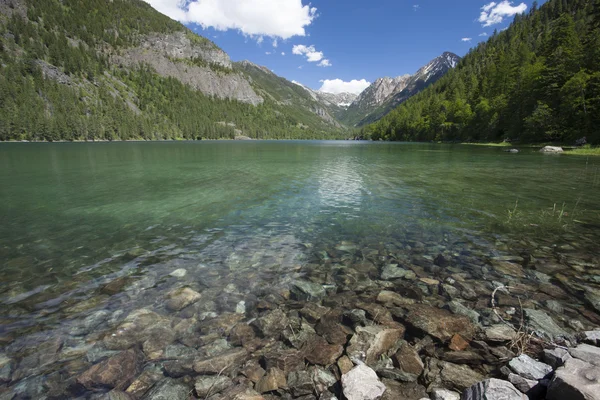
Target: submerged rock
(543, 324)
(272, 323)
(305, 290)
(393, 271)
(168, 389)
(274, 379)
(407, 359)
(362, 383)
(370, 342)
(116, 372)
(181, 298)
(439, 323)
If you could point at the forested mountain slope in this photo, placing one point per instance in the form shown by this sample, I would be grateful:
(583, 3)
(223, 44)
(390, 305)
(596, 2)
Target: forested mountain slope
(97, 69)
(537, 81)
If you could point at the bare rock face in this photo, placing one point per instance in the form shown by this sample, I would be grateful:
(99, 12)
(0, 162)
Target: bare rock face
(194, 61)
(576, 380)
(183, 45)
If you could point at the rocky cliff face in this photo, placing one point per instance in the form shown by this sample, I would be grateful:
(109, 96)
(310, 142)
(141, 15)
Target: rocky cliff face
(194, 61)
(184, 45)
(342, 100)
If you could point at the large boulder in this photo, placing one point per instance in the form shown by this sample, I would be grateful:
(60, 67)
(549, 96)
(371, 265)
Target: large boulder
(493, 389)
(439, 323)
(362, 383)
(576, 380)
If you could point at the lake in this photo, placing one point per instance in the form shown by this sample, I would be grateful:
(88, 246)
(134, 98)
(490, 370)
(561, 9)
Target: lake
(98, 229)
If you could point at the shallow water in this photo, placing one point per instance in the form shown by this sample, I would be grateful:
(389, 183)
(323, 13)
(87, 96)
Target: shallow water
(242, 217)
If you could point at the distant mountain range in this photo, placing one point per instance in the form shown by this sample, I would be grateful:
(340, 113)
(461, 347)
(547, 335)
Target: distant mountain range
(386, 93)
(97, 77)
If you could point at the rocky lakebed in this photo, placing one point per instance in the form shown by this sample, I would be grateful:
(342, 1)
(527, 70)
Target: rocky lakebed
(420, 320)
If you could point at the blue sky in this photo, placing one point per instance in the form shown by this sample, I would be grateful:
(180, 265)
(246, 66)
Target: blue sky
(336, 42)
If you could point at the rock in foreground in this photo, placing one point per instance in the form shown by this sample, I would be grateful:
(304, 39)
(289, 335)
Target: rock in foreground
(493, 389)
(362, 383)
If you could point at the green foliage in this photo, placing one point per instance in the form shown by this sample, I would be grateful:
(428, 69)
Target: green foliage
(537, 81)
(57, 83)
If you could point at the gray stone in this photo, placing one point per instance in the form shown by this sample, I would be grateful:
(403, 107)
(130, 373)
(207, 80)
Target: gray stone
(500, 333)
(300, 383)
(272, 323)
(529, 368)
(524, 385)
(556, 357)
(590, 337)
(168, 389)
(90, 323)
(209, 385)
(362, 383)
(587, 353)
(393, 271)
(305, 290)
(576, 380)
(493, 389)
(458, 377)
(458, 308)
(444, 394)
(6, 366)
(322, 379)
(543, 324)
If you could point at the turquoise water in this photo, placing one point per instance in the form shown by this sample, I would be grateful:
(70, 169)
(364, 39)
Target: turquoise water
(76, 215)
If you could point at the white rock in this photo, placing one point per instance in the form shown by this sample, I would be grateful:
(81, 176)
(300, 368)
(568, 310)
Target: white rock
(591, 337)
(529, 368)
(362, 383)
(575, 380)
(493, 389)
(551, 149)
(179, 273)
(444, 394)
(587, 353)
(241, 307)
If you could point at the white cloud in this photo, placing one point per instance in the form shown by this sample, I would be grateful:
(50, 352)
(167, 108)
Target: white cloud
(275, 42)
(299, 66)
(415, 7)
(273, 18)
(484, 34)
(311, 54)
(268, 53)
(324, 63)
(283, 53)
(339, 86)
(259, 40)
(494, 13)
(466, 39)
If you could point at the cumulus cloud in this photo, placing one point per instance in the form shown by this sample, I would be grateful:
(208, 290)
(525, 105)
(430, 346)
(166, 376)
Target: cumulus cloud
(494, 13)
(339, 86)
(324, 63)
(275, 43)
(484, 34)
(415, 7)
(273, 18)
(466, 39)
(283, 53)
(311, 54)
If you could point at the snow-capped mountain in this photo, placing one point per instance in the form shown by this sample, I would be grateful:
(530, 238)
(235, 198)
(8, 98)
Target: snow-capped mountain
(386, 93)
(339, 99)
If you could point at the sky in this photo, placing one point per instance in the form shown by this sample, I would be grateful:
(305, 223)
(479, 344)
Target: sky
(342, 46)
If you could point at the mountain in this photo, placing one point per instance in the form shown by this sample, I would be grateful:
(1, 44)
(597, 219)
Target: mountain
(342, 100)
(117, 70)
(537, 81)
(386, 93)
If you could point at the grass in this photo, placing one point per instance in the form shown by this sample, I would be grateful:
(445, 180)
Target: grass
(586, 150)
